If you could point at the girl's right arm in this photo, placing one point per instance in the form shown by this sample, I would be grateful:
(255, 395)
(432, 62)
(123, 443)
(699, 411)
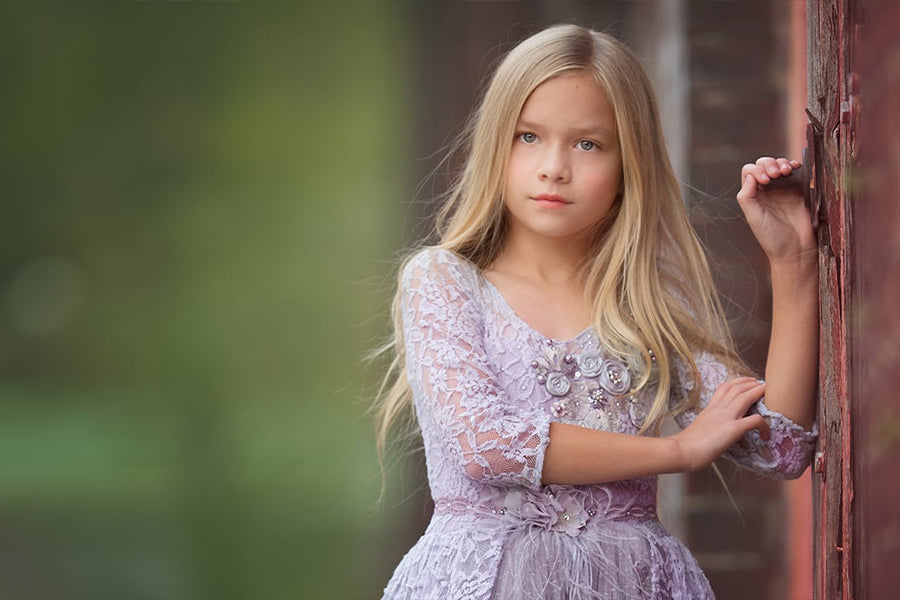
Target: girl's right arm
(578, 455)
(468, 423)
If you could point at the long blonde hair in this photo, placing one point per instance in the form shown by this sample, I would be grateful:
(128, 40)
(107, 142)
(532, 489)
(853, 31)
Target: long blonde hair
(646, 279)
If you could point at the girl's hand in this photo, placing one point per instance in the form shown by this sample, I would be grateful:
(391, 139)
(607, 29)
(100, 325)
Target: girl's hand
(721, 423)
(778, 218)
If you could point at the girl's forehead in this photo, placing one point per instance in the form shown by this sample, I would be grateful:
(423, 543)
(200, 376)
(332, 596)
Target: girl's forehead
(571, 100)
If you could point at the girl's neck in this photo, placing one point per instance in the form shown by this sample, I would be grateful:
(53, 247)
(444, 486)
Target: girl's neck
(541, 259)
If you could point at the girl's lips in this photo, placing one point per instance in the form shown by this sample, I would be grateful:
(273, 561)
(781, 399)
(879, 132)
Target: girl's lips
(550, 200)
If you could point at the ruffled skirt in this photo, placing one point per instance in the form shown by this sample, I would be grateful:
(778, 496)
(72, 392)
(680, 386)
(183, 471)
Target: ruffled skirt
(470, 558)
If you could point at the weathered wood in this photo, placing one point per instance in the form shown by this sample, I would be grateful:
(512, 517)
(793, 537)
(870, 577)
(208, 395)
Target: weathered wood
(831, 27)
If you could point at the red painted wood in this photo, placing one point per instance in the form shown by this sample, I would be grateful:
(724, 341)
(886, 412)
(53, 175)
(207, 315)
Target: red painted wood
(831, 24)
(854, 61)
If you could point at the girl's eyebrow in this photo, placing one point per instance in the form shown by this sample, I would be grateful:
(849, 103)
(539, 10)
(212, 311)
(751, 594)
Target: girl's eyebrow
(590, 129)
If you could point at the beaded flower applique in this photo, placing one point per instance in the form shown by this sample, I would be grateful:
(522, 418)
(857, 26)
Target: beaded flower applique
(589, 384)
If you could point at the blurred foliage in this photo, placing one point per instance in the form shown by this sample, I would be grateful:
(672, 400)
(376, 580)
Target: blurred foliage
(198, 202)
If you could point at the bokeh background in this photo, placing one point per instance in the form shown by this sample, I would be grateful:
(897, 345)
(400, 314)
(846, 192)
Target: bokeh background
(200, 206)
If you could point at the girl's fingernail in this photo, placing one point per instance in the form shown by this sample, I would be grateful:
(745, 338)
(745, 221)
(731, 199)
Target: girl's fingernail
(762, 381)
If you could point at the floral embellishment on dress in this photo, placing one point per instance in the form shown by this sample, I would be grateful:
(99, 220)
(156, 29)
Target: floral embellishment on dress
(599, 399)
(539, 514)
(589, 380)
(556, 509)
(590, 363)
(615, 377)
(637, 412)
(557, 384)
(559, 409)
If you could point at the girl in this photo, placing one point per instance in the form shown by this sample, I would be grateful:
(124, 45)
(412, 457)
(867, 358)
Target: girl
(567, 310)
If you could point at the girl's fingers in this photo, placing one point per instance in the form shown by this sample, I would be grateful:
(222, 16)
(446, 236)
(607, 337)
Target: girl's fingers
(758, 423)
(723, 421)
(738, 395)
(756, 171)
(750, 396)
(738, 382)
(769, 165)
(747, 395)
(767, 168)
(729, 385)
(784, 166)
(748, 188)
(761, 173)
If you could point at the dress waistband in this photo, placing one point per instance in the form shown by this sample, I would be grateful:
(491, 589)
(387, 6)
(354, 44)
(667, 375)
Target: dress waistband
(566, 511)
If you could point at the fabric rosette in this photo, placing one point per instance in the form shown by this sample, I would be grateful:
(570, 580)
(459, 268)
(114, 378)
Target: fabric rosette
(562, 511)
(558, 384)
(538, 513)
(590, 364)
(615, 378)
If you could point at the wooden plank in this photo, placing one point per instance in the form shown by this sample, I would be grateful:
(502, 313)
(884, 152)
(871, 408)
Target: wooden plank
(832, 25)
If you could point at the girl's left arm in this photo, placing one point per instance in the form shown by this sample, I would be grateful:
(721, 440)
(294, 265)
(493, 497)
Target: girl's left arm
(781, 223)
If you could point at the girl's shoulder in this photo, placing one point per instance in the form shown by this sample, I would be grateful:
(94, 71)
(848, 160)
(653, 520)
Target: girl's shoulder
(438, 266)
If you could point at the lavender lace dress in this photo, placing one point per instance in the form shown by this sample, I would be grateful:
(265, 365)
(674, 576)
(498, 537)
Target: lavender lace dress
(486, 387)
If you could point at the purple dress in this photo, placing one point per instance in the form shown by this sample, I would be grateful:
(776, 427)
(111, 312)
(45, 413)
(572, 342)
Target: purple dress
(486, 387)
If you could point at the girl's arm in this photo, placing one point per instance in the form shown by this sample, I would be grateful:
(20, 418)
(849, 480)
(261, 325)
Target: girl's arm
(577, 455)
(781, 223)
(459, 405)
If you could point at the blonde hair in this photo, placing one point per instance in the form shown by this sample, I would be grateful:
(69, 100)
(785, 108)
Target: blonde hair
(647, 278)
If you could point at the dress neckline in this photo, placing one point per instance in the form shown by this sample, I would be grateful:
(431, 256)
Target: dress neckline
(510, 311)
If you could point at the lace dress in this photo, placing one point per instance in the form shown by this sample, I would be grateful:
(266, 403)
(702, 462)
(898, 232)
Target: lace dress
(486, 387)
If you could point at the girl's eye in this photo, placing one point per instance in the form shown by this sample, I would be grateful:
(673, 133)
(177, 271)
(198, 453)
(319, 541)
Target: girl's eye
(528, 138)
(587, 145)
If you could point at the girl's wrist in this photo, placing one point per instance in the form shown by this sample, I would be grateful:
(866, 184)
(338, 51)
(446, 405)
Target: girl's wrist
(799, 268)
(679, 456)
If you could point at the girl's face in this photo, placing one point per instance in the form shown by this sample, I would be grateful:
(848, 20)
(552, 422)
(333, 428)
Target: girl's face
(564, 169)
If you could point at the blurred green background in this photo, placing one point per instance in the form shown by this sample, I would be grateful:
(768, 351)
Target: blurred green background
(200, 206)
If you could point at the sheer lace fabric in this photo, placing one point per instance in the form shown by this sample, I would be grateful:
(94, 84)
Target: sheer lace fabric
(486, 387)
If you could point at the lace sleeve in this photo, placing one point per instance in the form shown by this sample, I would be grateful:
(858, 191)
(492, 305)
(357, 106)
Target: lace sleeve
(456, 396)
(785, 455)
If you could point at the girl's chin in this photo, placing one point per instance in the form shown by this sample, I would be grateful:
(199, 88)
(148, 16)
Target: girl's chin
(565, 234)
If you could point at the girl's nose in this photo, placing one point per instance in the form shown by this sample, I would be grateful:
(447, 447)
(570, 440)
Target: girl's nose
(554, 165)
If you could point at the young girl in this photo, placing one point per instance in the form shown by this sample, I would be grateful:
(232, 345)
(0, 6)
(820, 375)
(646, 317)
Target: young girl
(566, 311)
